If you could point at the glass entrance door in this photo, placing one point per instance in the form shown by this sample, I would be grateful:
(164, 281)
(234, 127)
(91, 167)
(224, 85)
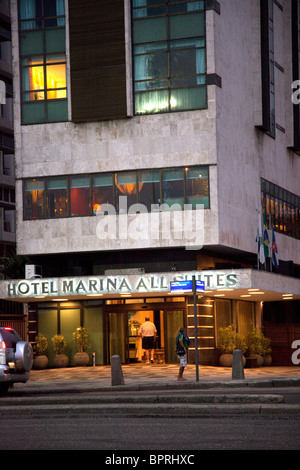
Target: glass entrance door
(122, 332)
(174, 320)
(118, 342)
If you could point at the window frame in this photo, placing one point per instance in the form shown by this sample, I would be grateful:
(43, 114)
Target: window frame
(92, 211)
(282, 209)
(45, 108)
(165, 96)
(268, 67)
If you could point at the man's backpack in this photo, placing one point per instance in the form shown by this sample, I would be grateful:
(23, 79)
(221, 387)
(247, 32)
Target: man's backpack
(179, 349)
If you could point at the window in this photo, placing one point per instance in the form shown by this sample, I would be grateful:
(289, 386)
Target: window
(43, 61)
(57, 197)
(39, 14)
(282, 209)
(296, 68)
(86, 195)
(149, 187)
(103, 192)
(125, 184)
(169, 55)
(173, 186)
(197, 186)
(34, 199)
(80, 195)
(267, 66)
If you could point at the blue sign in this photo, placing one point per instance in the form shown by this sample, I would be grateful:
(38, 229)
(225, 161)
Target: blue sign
(200, 286)
(186, 286)
(181, 286)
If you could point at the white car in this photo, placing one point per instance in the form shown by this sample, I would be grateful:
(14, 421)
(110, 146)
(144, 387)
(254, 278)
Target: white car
(16, 359)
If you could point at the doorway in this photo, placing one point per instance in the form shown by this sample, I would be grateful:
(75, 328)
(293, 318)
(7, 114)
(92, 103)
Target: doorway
(122, 332)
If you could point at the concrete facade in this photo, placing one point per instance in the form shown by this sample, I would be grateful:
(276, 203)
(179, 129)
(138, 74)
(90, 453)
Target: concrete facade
(222, 136)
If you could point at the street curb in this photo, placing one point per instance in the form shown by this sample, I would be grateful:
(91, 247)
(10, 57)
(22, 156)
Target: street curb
(143, 410)
(92, 386)
(149, 399)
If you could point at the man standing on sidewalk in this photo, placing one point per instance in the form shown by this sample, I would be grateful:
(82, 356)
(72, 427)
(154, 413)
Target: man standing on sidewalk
(148, 334)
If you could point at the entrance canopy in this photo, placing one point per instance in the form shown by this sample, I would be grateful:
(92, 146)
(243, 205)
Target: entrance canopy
(240, 284)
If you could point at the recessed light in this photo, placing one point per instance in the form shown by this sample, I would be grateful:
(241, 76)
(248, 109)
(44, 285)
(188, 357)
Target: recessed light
(246, 295)
(221, 289)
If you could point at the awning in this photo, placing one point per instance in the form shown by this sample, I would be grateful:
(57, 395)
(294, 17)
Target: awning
(239, 284)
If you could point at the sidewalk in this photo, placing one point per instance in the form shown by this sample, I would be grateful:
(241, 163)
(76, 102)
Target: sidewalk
(154, 376)
(153, 390)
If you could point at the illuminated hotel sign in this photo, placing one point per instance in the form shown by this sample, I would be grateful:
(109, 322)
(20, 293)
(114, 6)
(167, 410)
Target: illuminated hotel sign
(127, 284)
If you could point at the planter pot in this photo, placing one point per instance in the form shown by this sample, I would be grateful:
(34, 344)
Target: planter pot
(40, 362)
(81, 359)
(259, 359)
(226, 360)
(61, 360)
(267, 360)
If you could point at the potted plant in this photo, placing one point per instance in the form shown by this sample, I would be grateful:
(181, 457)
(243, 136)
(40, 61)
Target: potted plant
(59, 345)
(258, 345)
(80, 337)
(228, 341)
(41, 360)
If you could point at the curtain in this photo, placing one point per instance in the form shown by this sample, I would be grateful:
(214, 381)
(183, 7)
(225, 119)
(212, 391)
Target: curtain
(191, 6)
(60, 10)
(140, 12)
(245, 317)
(200, 65)
(27, 11)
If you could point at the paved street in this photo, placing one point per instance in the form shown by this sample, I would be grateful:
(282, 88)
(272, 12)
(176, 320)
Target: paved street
(78, 408)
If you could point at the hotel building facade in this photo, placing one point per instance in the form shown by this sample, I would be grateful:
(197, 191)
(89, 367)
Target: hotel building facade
(152, 137)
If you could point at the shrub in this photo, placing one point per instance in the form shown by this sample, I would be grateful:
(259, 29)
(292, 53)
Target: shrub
(59, 344)
(229, 340)
(81, 338)
(258, 343)
(41, 344)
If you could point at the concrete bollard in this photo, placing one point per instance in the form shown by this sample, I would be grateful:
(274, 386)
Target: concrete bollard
(116, 371)
(237, 365)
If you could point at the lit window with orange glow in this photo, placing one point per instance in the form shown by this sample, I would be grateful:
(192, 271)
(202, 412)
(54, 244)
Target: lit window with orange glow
(42, 46)
(44, 80)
